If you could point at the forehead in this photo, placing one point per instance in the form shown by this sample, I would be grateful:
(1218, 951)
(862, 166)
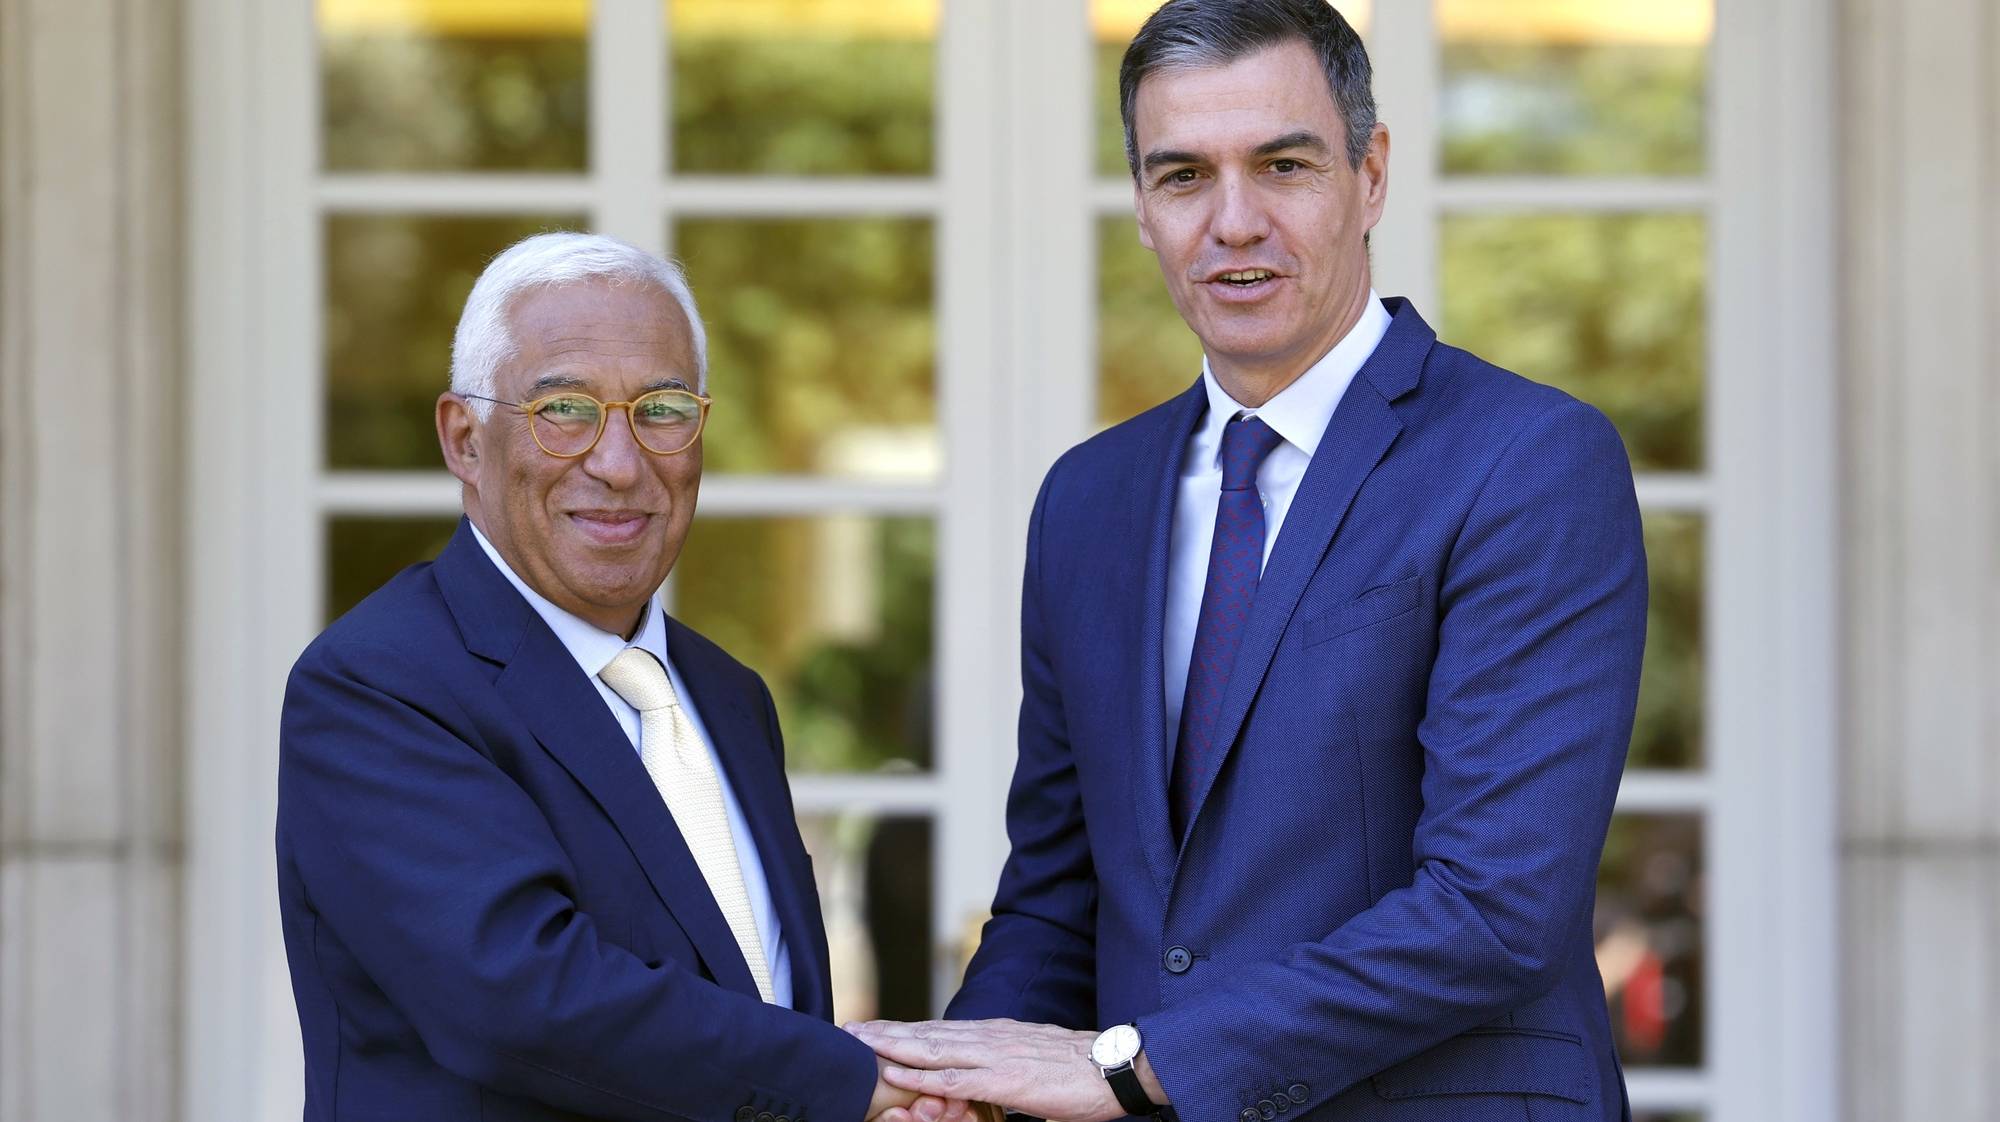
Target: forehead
(1237, 105)
(629, 324)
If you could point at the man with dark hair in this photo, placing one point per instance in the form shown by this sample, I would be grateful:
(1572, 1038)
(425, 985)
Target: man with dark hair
(1328, 669)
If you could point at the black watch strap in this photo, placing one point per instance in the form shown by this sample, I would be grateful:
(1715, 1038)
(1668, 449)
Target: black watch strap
(1131, 1093)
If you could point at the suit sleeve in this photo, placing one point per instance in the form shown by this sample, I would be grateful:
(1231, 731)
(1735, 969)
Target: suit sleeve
(1528, 715)
(1037, 955)
(443, 879)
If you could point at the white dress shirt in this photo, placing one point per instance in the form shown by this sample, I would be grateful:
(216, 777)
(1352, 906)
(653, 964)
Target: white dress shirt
(1299, 413)
(593, 650)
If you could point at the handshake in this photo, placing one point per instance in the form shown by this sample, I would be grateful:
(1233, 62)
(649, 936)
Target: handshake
(974, 1071)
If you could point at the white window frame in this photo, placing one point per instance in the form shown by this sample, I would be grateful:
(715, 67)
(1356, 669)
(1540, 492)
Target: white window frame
(1015, 201)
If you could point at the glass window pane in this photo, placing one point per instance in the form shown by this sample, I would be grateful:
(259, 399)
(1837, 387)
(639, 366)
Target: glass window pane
(1610, 307)
(835, 612)
(1616, 87)
(362, 553)
(822, 344)
(1668, 731)
(780, 87)
(1649, 937)
(1113, 23)
(454, 87)
(394, 287)
(1145, 352)
(874, 878)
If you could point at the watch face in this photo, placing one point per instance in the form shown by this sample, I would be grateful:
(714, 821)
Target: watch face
(1116, 1045)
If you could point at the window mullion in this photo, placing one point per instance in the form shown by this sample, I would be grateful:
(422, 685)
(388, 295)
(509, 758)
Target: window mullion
(628, 123)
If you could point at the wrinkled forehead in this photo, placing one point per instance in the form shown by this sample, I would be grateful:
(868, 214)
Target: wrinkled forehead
(1231, 108)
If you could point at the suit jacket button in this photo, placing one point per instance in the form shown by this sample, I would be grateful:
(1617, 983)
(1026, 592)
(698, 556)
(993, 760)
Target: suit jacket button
(1249, 1115)
(766, 1116)
(1267, 1109)
(746, 1114)
(1179, 960)
(782, 1118)
(1298, 1093)
(1279, 1100)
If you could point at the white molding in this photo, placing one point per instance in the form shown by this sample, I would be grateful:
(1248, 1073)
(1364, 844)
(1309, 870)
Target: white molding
(419, 493)
(1673, 491)
(1645, 791)
(1502, 193)
(1773, 604)
(721, 196)
(875, 794)
(1668, 1089)
(1404, 254)
(454, 194)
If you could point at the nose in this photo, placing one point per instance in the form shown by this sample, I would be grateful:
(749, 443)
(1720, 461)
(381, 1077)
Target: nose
(617, 461)
(1239, 218)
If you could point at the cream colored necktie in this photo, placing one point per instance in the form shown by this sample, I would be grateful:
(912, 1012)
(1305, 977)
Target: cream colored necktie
(685, 774)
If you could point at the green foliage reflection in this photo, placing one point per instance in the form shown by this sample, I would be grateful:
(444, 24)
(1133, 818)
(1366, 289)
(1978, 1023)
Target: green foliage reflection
(1145, 352)
(802, 106)
(1668, 730)
(1579, 109)
(431, 103)
(836, 614)
(822, 344)
(1608, 307)
(395, 285)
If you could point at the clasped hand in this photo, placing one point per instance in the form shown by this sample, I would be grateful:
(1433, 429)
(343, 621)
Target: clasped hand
(959, 1070)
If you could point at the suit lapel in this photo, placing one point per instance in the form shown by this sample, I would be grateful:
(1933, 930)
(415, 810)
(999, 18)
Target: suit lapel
(550, 693)
(1157, 481)
(1363, 427)
(736, 729)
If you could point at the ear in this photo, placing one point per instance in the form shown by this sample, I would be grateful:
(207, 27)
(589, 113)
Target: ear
(459, 436)
(1375, 176)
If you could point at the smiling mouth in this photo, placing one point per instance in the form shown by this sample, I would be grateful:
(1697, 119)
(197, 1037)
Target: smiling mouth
(1246, 278)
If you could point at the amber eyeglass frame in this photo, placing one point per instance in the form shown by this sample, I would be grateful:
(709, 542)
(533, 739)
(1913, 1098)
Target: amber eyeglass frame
(528, 409)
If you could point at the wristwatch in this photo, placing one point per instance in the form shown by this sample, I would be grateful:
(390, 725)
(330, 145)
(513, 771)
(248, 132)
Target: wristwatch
(1113, 1052)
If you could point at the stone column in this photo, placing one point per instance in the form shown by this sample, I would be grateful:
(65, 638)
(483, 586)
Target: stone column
(1920, 125)
(90, 438)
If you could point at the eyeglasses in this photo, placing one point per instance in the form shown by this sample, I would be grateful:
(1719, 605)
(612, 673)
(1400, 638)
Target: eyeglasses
(570, 424)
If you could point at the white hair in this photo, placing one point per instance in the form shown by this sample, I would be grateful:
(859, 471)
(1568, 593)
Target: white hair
(485, 339)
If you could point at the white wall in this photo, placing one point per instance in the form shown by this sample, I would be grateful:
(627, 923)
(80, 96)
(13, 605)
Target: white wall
(1920, 125)
(89, 501)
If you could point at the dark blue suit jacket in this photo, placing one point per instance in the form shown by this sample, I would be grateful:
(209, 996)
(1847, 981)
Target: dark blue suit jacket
(1382, 909)
(487, 908)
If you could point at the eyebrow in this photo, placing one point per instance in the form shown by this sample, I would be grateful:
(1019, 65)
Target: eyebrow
(1302, 138)
(1298, 138)
(572, 382)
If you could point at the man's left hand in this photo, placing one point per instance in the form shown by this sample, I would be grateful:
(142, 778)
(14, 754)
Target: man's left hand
(1040, 1070)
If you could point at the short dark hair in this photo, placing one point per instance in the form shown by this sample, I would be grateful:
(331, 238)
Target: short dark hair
(1200, 33)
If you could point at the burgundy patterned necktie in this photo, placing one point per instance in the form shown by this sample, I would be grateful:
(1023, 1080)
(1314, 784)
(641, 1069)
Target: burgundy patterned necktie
(1235, 558)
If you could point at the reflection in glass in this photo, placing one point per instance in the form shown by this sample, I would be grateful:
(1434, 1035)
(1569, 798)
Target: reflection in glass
(1113, 23)
(1610, 307)
(1617, 87)
(1668, 729)
(822, 344)
(1650, 895)
(835, 612)
(394, 287)
(778, 87)
(454, 87)
(1145, 352)
(874, 879)
(362, 553)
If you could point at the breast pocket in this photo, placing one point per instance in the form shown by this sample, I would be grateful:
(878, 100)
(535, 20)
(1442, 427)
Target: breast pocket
(1378, 604)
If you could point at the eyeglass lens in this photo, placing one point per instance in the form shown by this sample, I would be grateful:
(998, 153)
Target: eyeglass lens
(663, 422)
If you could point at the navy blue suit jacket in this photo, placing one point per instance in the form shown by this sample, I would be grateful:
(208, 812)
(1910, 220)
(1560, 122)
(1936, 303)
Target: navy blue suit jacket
(1382, 908)
(488, 911)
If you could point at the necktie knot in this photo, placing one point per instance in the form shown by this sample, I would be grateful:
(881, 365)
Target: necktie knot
(638, 677)
(1245, 443)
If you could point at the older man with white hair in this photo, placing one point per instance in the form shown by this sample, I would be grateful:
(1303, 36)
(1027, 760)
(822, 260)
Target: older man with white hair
(536, 853)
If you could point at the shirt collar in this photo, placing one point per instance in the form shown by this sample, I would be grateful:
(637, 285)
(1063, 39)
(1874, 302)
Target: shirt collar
(1299, 413)
(591, 646)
